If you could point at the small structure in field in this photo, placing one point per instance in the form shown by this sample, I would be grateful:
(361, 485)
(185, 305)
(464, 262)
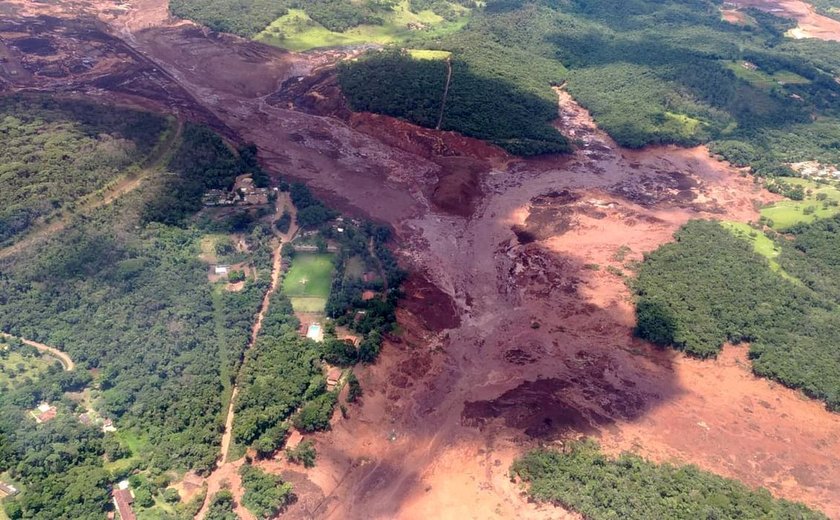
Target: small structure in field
(8, 490)
(221, 270)
(333, 377)
(108, 426)
(295, 437)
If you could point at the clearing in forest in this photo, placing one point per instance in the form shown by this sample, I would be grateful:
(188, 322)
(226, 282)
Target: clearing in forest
(821, 201)
(308, 281)
(296, 31)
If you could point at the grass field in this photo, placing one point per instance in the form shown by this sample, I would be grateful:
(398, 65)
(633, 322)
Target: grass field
(296, 31)
(787, 213)
(308, 282)
(425, 54)
(16, 367)
(136, 444)
(761, 79)
(762, 245)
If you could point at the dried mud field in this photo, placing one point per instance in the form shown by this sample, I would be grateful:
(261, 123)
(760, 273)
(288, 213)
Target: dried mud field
(517, 321)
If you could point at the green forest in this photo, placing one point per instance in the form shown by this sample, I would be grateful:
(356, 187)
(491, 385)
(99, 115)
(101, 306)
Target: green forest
(599, 487)
(54, 152)
(122, 291)
(649, 71)
(398, 85)
(249, 18)
(710, 287)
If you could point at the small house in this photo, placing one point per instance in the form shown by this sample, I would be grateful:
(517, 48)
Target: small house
(221, 270)
(123, 498)
(333, 377)
(8, 490)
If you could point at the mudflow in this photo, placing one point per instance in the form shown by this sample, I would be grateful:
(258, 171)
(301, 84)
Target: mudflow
(510, 336)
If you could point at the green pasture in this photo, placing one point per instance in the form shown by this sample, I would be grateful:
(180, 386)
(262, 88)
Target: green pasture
(787, 213)
(761, 244)
(296, 31)
(308, 281)
(15, 367)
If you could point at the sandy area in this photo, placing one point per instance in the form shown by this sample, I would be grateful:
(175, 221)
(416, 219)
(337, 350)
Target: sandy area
(811, 23)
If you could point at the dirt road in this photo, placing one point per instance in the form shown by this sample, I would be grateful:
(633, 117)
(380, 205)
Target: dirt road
(227, 470)
(62, 357)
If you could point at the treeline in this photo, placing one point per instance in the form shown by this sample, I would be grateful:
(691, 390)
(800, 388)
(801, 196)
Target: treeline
(231, 16)
(250, 18)
(53, 152)
(311, 212)
(203, 161)
(581, 478)
(710, 287)
(484, 107)
(265, 495)
(281, 383)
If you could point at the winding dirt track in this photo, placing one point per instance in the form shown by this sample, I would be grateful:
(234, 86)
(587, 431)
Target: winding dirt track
(227, 470)
(62, 357)
(517, 323)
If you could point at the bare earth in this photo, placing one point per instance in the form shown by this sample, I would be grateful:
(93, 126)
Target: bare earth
(509, 339)
(811, 23)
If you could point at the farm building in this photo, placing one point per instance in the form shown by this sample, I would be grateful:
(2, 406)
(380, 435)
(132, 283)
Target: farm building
(8, 490)
(221, 270)
(44, 413)
(123, 498)
(333, 377)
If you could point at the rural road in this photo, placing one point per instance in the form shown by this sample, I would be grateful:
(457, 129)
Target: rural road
(63, 358)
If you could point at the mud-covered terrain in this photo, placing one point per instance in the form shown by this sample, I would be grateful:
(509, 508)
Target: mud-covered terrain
(517, 322)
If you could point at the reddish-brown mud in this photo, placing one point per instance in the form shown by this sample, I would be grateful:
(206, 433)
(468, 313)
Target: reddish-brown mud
(516, 327)
(810, 23)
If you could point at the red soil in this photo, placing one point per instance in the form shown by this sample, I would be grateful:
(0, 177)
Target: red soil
(811, 23)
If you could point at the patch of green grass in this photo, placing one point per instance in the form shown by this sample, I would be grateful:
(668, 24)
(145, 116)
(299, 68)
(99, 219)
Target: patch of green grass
(787, 213)
(757, 77)
(135, 443)
(790, 78)
(424, 54)
(308, 281)
(354, 268)
(761, 244)
(296, 31)
(15, 367)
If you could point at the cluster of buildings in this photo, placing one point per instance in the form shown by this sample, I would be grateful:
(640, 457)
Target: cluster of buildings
(244, 193)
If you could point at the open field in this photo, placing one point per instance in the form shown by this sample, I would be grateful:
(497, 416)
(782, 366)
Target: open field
(424, 54)
(762, 245)
(308, 281)
(787, 213)
(16, 367)
(296, 31)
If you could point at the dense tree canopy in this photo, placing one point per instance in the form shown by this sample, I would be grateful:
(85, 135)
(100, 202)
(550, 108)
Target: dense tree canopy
(710, 287)
(598, 487)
